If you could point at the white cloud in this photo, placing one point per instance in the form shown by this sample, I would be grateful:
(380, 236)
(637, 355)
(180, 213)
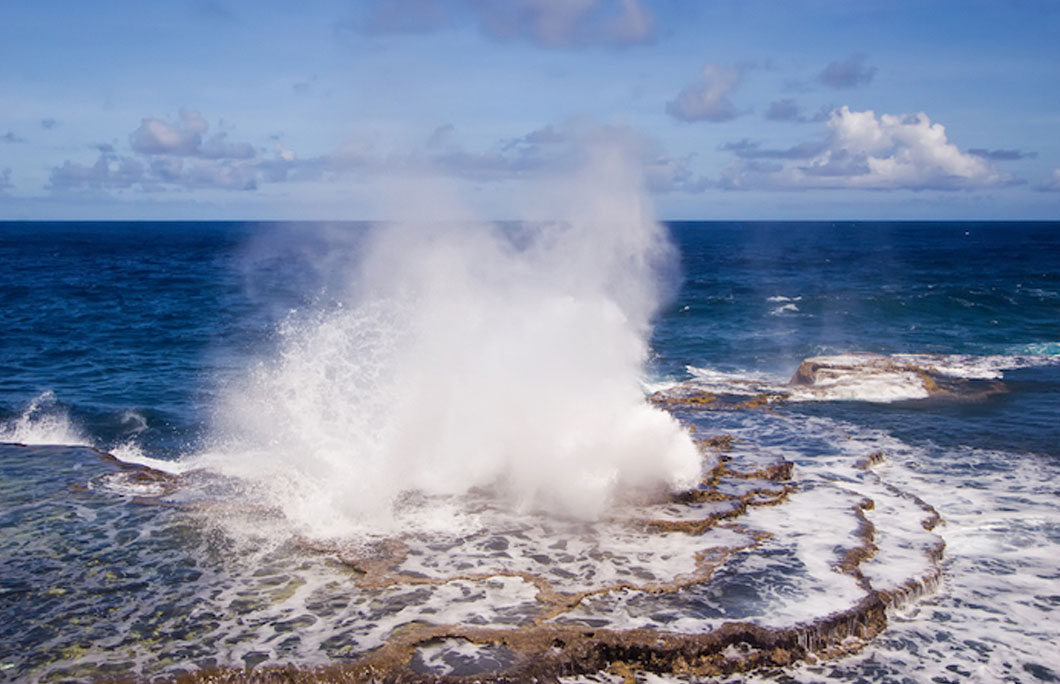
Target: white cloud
(226, 175)
(110, 171)
(172, 155)
(218, 147)
(183, 138)
(885, 152)
(553, 148)
(708, 98)
(1052, 183)
(284, 153)
(663, 174)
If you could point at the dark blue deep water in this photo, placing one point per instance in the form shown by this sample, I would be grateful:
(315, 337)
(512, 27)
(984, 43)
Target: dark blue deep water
(119, 333)
(150, 317)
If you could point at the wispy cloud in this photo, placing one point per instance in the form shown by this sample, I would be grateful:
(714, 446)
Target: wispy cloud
(1002, 155)
(5, 180)
(745, 149)
(48, 124)
(305, 85)
(864, 151)
(567, 23)
(707, 99)
(1052, 183)
(213, 11)
(784, 110)
(548, 149)
(560, 24)
(10, 137)
(848, 73)
(179, 155)
(405, 16)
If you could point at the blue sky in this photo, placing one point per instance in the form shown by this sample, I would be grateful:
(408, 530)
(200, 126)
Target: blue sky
(735, 109)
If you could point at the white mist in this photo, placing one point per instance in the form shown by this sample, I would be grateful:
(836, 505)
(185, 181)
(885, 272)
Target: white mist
(462, 358)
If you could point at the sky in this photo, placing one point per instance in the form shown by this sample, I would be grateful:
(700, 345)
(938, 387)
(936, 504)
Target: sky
(733, 109)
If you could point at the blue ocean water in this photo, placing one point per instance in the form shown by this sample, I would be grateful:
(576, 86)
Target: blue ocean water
(123, 335)
(764, 296)
(113, 317)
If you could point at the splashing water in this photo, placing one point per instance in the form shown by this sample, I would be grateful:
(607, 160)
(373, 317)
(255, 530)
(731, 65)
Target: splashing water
(468, 355)
(44, 421)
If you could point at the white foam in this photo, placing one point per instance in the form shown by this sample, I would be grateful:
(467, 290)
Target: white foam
(784, 309)
(969, 367)
(741, 382)
(43, 422)
(132, 453)
(867, 377)
(1037, 349)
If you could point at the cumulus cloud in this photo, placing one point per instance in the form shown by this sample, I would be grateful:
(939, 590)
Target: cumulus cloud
(708, 98)
(168, 154)
(110, 171)
(1052, 183)
(181, 138)
(848, 73)
(863, 150)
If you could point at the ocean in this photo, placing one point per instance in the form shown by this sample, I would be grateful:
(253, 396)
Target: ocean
(704, 451)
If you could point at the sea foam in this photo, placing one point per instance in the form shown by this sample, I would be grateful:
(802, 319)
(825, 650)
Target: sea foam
(44, 421)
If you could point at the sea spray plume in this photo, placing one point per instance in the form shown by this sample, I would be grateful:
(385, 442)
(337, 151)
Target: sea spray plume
(465, 358)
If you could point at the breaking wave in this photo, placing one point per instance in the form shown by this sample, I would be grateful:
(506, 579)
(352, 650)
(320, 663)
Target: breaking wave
(44, 421)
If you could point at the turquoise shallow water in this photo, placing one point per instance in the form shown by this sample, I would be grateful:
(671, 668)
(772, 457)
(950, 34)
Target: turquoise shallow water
(123, 335)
